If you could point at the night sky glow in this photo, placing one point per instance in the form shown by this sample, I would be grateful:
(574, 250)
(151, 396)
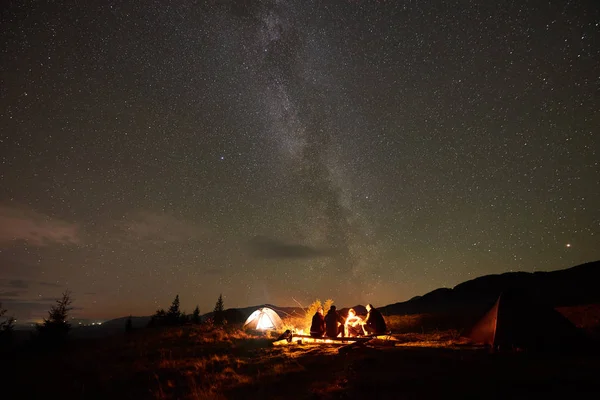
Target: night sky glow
(272, 150)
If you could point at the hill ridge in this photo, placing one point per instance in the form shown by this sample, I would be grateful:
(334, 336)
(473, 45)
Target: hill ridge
(566, 287)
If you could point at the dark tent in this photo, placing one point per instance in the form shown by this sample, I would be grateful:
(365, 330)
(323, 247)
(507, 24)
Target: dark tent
(518, 322)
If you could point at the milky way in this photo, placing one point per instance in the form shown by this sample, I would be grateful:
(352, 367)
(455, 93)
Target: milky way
(282, 151)
(302, 120)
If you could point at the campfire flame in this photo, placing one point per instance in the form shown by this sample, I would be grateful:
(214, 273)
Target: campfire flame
(352, 320)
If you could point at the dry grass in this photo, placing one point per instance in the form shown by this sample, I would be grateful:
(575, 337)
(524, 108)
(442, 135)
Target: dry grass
(197, 363)
(586, 317)
(294, 323)
(173, 363)
(170, 363)
(447, 338)
(403, 323)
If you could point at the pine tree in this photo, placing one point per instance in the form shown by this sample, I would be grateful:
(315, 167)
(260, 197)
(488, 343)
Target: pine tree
(219, 312)
(174, 314)
(56, 328)
(196, 315)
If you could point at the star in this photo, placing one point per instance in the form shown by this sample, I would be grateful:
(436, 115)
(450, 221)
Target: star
(375, 151)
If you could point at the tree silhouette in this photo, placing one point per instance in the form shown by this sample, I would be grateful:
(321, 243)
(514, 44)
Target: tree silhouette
(219, 312)
(158, 319)
(174, 314)
(196, 315)
(7, 325)
(184, 319)
(312, 309)
(56, 328)
(128, 325)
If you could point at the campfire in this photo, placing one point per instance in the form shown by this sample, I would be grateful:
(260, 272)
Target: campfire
(354, 325)
(351, 329)
(335, 327)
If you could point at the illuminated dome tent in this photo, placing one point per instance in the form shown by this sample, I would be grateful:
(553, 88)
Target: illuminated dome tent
(263, 319)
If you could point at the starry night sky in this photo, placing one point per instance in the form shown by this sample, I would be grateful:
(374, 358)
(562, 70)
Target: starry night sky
(283, 150)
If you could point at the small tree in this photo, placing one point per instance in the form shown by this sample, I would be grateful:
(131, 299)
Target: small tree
(158, 319)
(57, 327)
(219, 312)
(174, 314)
(128, 325)
(7, 325)
(196, 316)
(312, 310)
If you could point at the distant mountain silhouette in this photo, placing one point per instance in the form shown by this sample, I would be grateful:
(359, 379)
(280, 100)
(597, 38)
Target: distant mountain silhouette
(239, 315)
(111, 327)
(569, 287)
(574, 286)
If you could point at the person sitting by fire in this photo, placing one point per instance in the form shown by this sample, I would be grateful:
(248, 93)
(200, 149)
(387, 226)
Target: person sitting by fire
(374, 323)
(317, 328)
(334, 323)
(354, 324)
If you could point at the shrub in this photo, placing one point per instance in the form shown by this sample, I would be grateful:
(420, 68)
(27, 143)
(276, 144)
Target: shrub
(312, 309)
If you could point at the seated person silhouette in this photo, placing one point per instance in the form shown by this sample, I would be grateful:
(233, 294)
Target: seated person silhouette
(374, 323)
(317, 328)
(334, 323)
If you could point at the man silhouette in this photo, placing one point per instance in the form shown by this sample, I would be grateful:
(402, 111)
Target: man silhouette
(334, 323)
(317, 328)
(374, 323)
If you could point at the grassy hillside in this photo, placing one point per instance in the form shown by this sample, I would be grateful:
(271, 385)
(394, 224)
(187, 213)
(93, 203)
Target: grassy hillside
(198, 362)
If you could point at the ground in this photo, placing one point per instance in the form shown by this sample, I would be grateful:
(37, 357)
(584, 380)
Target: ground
(197, 363)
